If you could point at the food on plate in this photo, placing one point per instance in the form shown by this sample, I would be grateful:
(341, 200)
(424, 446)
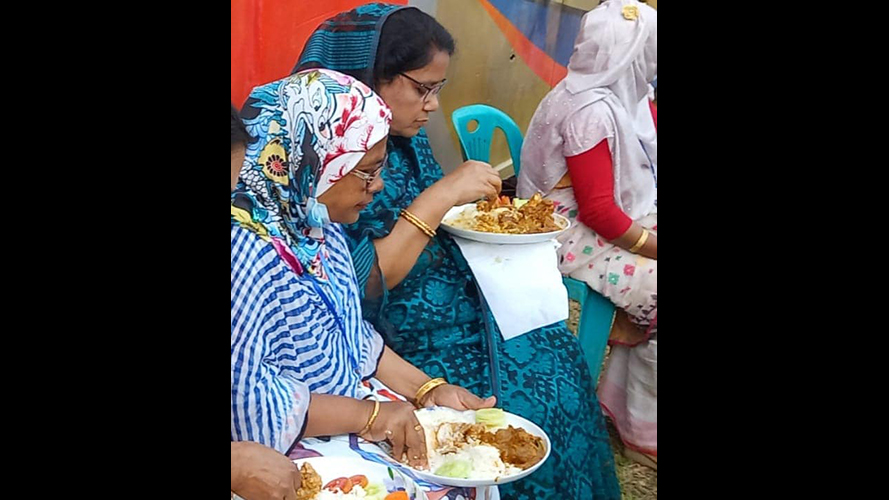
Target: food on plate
(311, 483)
(356, 486)
(502, 215)
(477, 444)
(517, 447)
(491, 417)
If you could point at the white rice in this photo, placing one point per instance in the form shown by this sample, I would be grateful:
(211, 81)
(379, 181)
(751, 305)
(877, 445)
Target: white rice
(466, 219)
(485, 459)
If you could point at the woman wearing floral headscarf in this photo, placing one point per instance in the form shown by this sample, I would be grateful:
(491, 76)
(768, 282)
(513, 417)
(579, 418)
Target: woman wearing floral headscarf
(300, 349)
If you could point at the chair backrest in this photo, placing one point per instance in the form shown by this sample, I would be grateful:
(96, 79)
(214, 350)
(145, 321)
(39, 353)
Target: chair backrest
(476, 145)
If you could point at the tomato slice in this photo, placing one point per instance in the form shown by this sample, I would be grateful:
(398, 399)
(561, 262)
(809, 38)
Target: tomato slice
(359, 480)
(341, 483)
(333, 485)
(347, 486)
(398, 495)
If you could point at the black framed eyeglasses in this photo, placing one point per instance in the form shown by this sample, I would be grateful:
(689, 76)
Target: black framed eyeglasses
(430, 89)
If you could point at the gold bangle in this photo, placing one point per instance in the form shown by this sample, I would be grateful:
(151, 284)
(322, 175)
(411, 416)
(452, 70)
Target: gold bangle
(422, 226)
(426, 389)
(373, 417)
(641, 242)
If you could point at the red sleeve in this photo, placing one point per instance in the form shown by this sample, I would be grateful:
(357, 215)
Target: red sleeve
(592, 177)
(653, 107)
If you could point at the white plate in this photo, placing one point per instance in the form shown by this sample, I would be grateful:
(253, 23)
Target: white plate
(513, 420)
(498, 238)
(330, 468)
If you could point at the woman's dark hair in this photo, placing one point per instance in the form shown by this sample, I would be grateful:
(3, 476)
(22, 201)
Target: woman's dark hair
(408, 41)
(240, 136)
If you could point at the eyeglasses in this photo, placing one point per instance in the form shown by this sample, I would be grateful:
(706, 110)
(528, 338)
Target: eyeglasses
(371, 177)
(430, 89)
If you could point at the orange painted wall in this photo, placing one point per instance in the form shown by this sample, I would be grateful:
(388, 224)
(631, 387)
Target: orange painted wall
(268, 36)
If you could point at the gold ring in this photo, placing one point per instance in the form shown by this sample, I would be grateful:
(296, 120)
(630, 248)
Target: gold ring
(418, 427)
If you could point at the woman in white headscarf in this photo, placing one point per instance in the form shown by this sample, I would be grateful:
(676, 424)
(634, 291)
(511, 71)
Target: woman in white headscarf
(592, 148)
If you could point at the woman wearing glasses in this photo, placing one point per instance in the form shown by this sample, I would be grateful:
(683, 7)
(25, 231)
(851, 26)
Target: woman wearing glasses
(419, 291)
(301, 351)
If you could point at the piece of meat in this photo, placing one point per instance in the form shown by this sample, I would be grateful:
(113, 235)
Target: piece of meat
(517, 447)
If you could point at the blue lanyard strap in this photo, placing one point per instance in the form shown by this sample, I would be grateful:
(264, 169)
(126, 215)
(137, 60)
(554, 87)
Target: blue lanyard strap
(334, 312)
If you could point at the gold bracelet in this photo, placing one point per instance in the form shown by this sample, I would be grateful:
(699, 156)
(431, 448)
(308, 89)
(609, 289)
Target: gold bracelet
(422, 226)
(641, 242)
(373, 417)
(426, 389)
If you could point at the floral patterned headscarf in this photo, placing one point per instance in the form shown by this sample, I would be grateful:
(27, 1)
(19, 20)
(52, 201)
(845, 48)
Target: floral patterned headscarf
(311, 129)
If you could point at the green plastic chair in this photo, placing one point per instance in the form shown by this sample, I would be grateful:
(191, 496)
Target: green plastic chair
(476, 145)
(597, 312)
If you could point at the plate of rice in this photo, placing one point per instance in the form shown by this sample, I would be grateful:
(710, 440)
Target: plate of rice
(506, 221)
(480, 448)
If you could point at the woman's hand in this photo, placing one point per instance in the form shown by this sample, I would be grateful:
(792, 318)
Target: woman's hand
(261, 473)
(456, 397)
(398, 424)
(472, 181)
